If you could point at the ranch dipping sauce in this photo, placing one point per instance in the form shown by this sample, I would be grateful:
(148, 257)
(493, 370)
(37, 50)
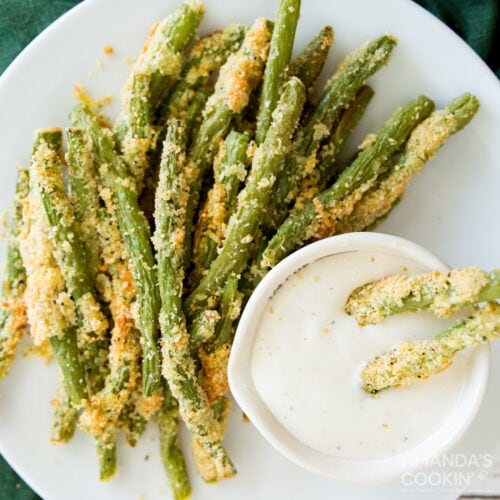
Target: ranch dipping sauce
(307, 355)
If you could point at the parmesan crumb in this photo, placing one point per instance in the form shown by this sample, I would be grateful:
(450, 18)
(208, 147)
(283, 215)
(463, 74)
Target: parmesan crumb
(81, 94)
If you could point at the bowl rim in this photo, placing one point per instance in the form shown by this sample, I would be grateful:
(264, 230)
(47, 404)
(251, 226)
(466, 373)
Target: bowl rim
(365, 471)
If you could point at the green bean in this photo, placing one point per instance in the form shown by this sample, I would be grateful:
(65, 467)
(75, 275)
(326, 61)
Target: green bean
(13, 318)
(307, 66)
(192, 118)
(204, 60)
(317, 216)
(327, 168)
(135, 232)
(443, 293)
(65, 415)
(202, 329)
(83, 192)
(340, 90)
(51, 311)
(70, 252)
(170, 451)
(221, 200)
(133, 422)
(178, 366)
(253, 200)
(67, 355)
(422, 145)
(214, 355)
(106, 452)
(280, 51)
(153, 75)
(202, 461)
(332, 149)
(102, 411)
(413, 361)
(230, 308)
(238, 77)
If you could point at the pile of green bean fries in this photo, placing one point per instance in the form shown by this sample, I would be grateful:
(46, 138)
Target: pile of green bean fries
(135, 245)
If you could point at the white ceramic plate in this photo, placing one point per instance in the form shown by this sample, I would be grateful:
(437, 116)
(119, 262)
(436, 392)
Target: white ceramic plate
(451, 209)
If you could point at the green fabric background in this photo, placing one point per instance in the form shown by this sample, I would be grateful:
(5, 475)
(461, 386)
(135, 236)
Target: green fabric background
(476, 21)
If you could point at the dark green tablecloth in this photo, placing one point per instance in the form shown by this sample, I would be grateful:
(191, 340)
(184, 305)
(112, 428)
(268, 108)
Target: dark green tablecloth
(476, 21)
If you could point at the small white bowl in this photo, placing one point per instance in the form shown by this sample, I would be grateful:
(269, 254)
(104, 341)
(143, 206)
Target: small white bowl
(369, 471)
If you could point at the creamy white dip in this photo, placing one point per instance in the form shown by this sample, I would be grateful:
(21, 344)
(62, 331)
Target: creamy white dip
(308, 353)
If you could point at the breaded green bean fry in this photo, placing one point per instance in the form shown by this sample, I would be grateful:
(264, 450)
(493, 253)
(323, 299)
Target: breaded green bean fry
(340, 90)
(83, 192)
(443, 293)
(202, 329)
(170, 450)
(342, 130)
(156, 70)
(204, 60)
(136, 235)
(178, 367)
(412, 361)
(253, 200)
(421, 147)
(13, 319)
(237, 79)
(70, 252)
(221, 200)
(65, 414)
(50, 308)
(280, 51)
(307, 66)
(317, 217)
(106, 452)
(214, 355)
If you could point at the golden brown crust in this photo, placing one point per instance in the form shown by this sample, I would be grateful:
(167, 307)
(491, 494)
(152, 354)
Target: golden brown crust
(214, 376)
(49, 307)
(242, 71)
